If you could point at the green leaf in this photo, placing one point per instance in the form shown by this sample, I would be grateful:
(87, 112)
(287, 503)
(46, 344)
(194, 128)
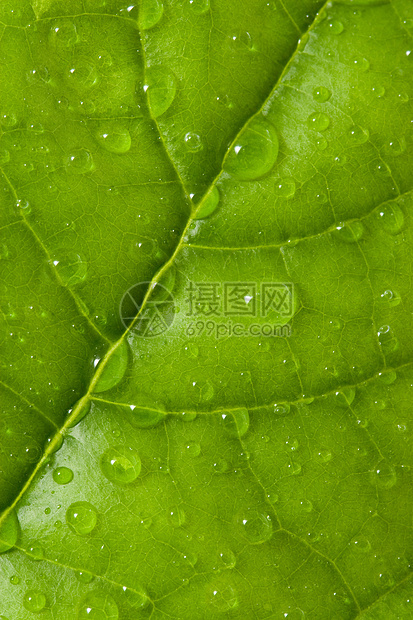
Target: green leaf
(206, 327)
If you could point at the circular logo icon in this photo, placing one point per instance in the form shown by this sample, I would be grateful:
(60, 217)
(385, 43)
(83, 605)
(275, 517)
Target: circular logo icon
(151, 317)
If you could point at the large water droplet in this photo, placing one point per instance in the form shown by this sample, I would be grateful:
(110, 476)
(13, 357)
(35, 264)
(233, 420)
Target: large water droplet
(82, 517)
(98, 606)
(71, 267)
(34, 601)
(255, 526)
(160, 87)
(121, 464)
(208, 204)
(9, 531)
(114, 369)
(114, 137)
(384, 475)
(255, 151)
(199, 6)
(236, 423)
(350, 232)
(79, 161)
(147, 413)
(391, 218)
(82, 76)
(150, 13)
(388, 341)
(318, 121)
(63, 475)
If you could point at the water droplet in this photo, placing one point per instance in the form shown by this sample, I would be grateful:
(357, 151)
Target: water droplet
(147, 414)
(236, 423)
(361, 63)
(391, 218)
(361, 544)
(177, 517)
(4, 156)
(403, 97)
(81, 517)
(221, 466)
(306, 505)
(384, 475)
(150, 13)
(83, 576)
(388, 377)
(70, 266)
(14, 580)
(136, 598)
(23, 207)
(390, 298)
(193, 449)
(255, 151)
(98, 606)
(321, 94)
(335, 26)
(388, 341)
(325, 456)
(160, 87)
(114, 369)
(228, 558)
(358, 135)
(345, 396)
(350, 232)
(62, 475)
(255, 526)
(78, 414)
(222, 597)
(199, 6)
(82, 76)
(79, 161)
(321, 143)
(284, 188)
(34, 601)
(121, 464)
(208, 204)
(35, 551)
(9, 531)
(318, 121)
(396, 146)
(8, 120)
(63, 34)
(188, 416)
(282, 409)
(378, 91)
(193, 142)
(114, 137)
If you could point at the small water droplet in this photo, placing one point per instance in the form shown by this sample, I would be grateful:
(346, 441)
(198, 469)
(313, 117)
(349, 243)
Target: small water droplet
(83, 576)
(114, 369)
(391, 218)
(81, 517)
(318, 121)
(82, 76)
(361, 544)
(321, 143)
(160, 87)
(208, 204)
(199, 6)
(79, 161)
(284, 188)
(255, 526)
(176, 516)
(222, 597)
(361, 63)
(282, 409)
(384, 475)
(23, 207)
(325, 456)
(388, 341)
(34, 601)
(150, 13)
(4, 156)
(193, 449)
(14, 580)
(396, 146)
(228, 558)
(147, 414)
(114, 137)
(358, 135)
(121, 464)
(9, 531)
(8, 120)
(63, 34)
(62, 475)
(136, 598)
(255, 151)
(193, 142)
(35, 551)
(350, 232)
(391, 298)
(188, 416)
(335, 26)
(306, 505)
(221, 466)
(321, 94)
(70, 266)
(98, 606)
(345, 396)
(388, 377)
(236, 423)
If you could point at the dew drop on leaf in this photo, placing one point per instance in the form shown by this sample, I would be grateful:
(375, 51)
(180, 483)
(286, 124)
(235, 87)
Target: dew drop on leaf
(199, 6)
(9, 531)
(222, 597)
(335, 26)
(63, 475)
(98, 606)
(306, 505)
(147, 413)
(14, 580)
(321, 143)
(35, 551)
(83, 576)
(318, 121)
(121, 464)
(70, 266)
(136, 598)
(388, 377)
(284, 188)
(176, 516)
(236, 423)
(193, 142)
(188, 416)
(114, 137)
(34, 601)
(358, 135)
(221, 466)
(81, 517)
(388, 341)
(114, 369)
(350, 232)
(281, 409)
(255, 151)
(384, 475)
(160, 87)
(82, 76)
(321, 94)
(255, 526)
(325, 456)
(150, 13)
(228, 558)
(390, 298)
(345, 396)
(361, 544)
(77, 413)
(208, 204)
(79, 161)
(193, 449)
(63, 34)
(391, 218)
